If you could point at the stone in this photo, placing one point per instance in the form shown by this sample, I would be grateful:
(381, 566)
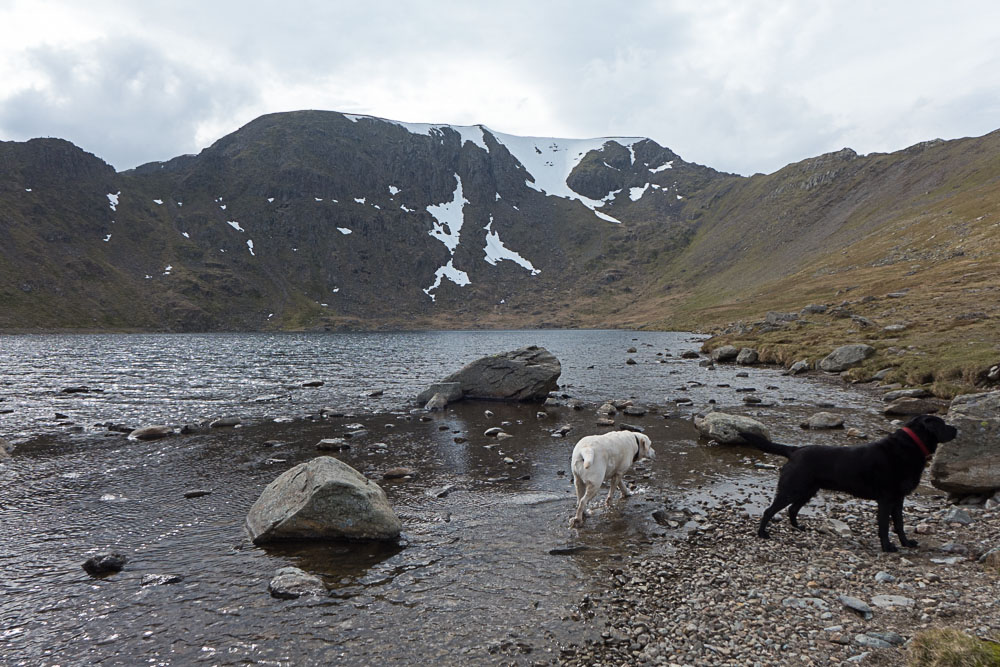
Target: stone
(322, 499)
(102, 564)
(892, 601)
(800, 366)
(911, 406)
(151, 432)
(725, 428)
(313, 383)
(525, 374)
(161, 579)
(225, 422)
(451, 391)
(971, 462)
(438, 402)
(824, 420)
(854, 604)
(846, 356)
(289, 583)
(332, 445)
(725, 353)
(747, 356)
(197, 493)
(398, 473)
(774, 317)
(918, 392)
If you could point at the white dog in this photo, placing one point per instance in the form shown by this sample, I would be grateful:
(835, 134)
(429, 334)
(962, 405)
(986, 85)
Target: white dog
(597, 458)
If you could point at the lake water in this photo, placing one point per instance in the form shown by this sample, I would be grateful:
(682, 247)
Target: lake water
(473, 582)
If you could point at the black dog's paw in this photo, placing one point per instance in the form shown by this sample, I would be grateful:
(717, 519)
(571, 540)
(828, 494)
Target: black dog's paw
(909, 543)
(889, 548)
(763, 534)
(799, 528)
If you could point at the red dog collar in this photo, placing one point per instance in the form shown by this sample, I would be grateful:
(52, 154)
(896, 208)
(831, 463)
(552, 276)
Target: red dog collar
(920, 443)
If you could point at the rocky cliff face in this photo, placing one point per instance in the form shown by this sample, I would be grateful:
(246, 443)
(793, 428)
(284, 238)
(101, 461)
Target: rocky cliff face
(319, 219)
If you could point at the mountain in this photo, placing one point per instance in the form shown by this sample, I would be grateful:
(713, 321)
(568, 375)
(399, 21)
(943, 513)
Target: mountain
(315, 219)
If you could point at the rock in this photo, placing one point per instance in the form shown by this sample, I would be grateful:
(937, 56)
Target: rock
(526, 374)
(884, 578)
(635, 411)
(5, 449)
(845, 357)
(892, 601)
(102, 564)
(225, 422)
(958, 516)
(798, 367)
(322, 499)
(725, 353)
(869, 641)
(332, 445)
(971, 462)
(438, 402)
(161, 579)
(725, 428)
(151, 432)
(813, 309)
(313, 383)
(398, 473)
(493, 432)
(451, 391)
(631, 362)
(911, 406)
(568, 550)
(78, 390)
(838, 528)
(197, 493)
(854, 604)
(289, 583)
(824, 420)
(918, 392)
(747, 356)
(689, 354)
(774, 317)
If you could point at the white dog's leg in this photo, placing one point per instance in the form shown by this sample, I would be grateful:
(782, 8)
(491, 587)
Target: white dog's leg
(615, 481)
(623, 488)
(581, 505)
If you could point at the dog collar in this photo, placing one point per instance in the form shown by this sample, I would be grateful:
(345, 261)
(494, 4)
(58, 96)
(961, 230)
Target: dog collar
(920, 443)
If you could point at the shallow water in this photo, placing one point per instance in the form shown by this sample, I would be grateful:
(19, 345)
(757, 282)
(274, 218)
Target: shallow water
(473, 581)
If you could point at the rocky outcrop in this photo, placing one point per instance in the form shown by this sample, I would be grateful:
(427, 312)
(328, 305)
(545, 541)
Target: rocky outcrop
(322, 499)
(526, 374)
(846, 356)
(289, 583)
(970, 464)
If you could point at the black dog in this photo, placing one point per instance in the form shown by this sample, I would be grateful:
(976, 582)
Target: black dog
(885, 471)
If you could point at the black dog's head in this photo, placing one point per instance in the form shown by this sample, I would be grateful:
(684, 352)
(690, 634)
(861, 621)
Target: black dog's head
(932, 430)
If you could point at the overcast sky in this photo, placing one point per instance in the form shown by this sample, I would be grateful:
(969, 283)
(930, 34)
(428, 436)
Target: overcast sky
(739, 85)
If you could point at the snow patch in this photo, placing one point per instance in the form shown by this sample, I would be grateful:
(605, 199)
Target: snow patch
(471, 133)
(393, 190)
(550, 162)
(408, 210)
(668, 165)
(167, 270)
(270, 200)
(107, 238)
(460, 278)
(185, 235)
(448, 218)
(360, 200)
(223, 207)
(235, 225)
(635, 194)
(496, 251)
(318, 198)
(158, 202)
(344, 230)
(250, 246)
(112, 200)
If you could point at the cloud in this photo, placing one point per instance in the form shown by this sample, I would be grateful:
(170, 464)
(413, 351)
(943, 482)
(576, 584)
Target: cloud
(126, 101)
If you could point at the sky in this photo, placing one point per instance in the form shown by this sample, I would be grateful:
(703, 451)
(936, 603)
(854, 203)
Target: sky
(742, 86)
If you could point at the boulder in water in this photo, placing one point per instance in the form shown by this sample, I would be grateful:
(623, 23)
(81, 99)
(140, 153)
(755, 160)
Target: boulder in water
(526, 374)
(322, 499)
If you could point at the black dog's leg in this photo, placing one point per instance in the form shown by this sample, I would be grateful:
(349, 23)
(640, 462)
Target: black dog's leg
(780, 502)
(897, 524)
(793, 513)
(884, 509)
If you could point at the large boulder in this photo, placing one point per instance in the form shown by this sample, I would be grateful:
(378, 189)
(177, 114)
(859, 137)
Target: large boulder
(971, 462)
(726, 429)
(527, 374)
(322, 499)
(845, 357)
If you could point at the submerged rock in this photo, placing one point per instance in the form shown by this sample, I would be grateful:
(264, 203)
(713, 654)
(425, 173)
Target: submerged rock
(151, 432)
(105, 564)
(289, 583)
(322, 499)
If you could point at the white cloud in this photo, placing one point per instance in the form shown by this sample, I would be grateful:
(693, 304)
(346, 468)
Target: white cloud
(743, 87)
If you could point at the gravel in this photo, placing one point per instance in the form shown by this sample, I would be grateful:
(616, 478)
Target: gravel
(725, 597)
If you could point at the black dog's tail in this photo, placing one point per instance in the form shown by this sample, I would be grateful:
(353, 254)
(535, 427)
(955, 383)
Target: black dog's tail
(765, 445)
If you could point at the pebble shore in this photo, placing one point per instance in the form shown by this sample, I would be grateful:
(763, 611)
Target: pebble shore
(826, 596)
